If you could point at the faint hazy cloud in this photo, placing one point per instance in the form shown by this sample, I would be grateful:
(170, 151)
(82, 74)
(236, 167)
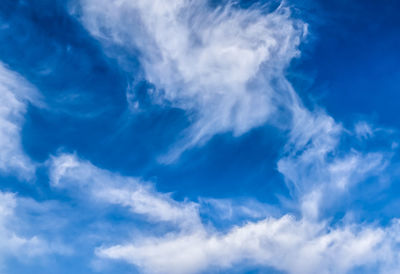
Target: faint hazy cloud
(15, 94)
(316, 166)
(18, 246)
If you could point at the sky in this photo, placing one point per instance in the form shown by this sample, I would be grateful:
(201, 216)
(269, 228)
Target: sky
(208, 136)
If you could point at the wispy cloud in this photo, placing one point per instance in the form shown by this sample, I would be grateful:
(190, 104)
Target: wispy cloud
(316, 165)
(226, 68)
(191, 245)
(15, 94)
(223, 66)
(15, 245)
(69, 172)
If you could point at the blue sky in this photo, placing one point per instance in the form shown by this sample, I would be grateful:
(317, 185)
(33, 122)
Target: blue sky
(199, 136)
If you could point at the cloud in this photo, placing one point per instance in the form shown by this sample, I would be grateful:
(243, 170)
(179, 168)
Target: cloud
(15, 93)
(318, 165)
(11, 243)
(68, 171)
(223, 66)
(192, 245)
(320, 171)
(363, 130)
(226, 67)
(287, 244)
(236, 209)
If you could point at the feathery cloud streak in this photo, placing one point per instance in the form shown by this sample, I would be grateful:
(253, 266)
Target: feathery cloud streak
(15, 94)
(223, 66)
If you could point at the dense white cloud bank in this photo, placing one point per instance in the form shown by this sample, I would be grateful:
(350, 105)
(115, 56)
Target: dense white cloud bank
(224, 66)
(15, 93)
(300, 245)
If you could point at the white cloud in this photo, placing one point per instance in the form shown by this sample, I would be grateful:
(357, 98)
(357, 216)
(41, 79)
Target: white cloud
(315, 166)
(224, 66)
(320, 172)
(67, 171)
(12, 244)
(15, 93)
(285, 243)
(363, 130)
(231, 209)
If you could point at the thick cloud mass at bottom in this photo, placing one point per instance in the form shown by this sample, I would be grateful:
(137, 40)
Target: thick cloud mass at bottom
(296, 245)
